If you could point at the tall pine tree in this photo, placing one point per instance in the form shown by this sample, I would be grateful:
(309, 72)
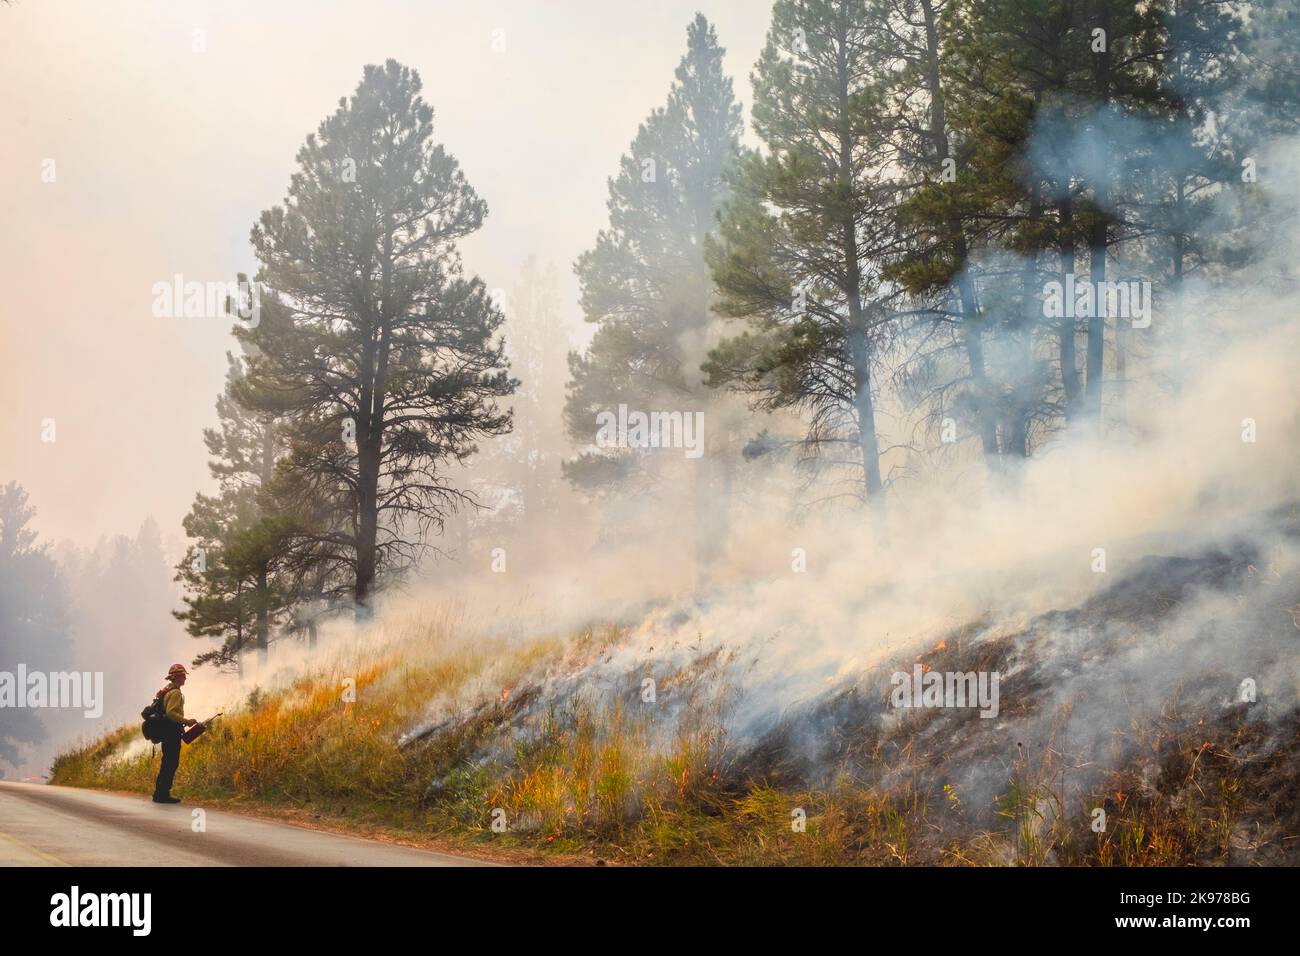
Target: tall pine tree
(802, 246)
(388, 365)
(231, 570)
(646, 287)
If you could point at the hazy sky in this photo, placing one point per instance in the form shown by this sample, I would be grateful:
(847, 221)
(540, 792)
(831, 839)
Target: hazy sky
(164, 155)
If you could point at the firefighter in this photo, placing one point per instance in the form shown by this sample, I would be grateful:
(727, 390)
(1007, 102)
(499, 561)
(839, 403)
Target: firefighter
(174, 705)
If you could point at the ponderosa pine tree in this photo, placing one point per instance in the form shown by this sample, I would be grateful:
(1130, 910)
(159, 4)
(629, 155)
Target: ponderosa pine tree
(388, 363)
(231, 569)
(802, 245)
(940, 215)
(645, 284)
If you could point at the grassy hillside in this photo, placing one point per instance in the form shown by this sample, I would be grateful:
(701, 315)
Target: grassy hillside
(1107, 706)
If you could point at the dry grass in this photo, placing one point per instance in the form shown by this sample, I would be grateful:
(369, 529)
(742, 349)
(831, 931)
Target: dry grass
(582, 778)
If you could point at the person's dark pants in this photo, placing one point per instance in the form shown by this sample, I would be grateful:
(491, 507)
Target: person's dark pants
(171, 759)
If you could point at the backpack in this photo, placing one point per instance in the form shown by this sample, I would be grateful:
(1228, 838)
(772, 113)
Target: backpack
(154, 719)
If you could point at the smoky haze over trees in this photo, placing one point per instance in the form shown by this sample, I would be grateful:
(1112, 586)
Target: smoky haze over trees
(527, 507)
(66, 609)
(970, 227)
(35, 615)
(647, 290)
(966, 230)
(930, 167)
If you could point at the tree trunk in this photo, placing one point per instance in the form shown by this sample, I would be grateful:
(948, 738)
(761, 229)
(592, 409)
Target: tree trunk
(856, 333)
(1066, 331)
(1096, 325)
(370, 435)
(367, 525)
(1176, 372)
(263, 624)
(1097, 239)
(865, 407)
(263, 574)
(972, 332)
(1023, 398)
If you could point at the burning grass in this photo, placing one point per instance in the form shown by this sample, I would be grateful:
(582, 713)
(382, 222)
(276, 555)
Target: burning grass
(1114, 707)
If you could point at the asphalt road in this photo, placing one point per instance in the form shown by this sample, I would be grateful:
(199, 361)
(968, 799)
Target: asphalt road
(64, 826)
